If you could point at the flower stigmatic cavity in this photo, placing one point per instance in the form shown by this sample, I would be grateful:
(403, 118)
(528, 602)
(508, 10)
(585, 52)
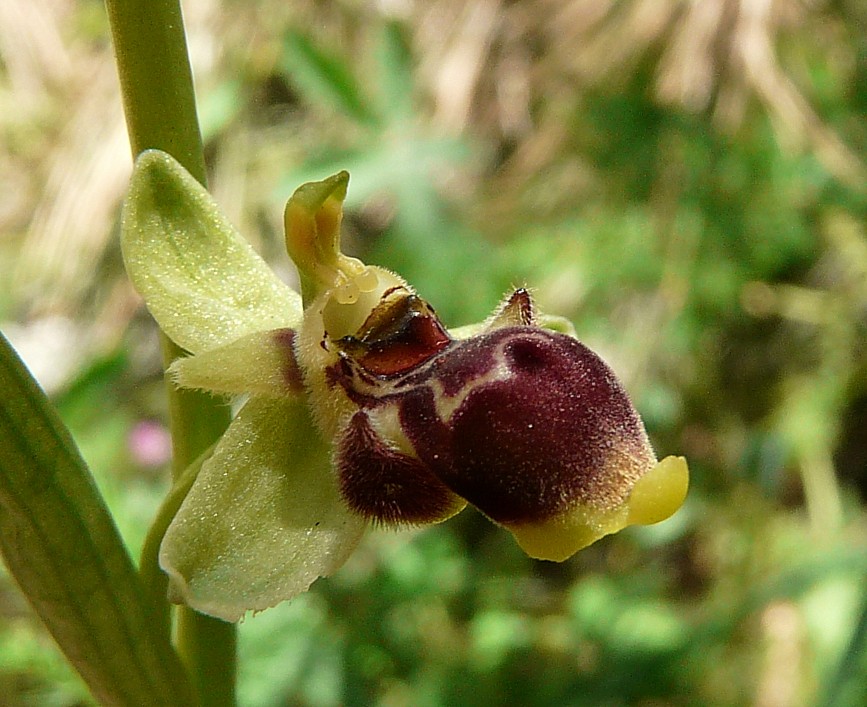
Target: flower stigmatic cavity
(365, 409)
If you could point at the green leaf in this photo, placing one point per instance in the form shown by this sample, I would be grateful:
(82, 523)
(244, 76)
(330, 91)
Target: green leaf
(323, 79)
(396, 83)
(202, 282)
(263, 520)
(61, 545)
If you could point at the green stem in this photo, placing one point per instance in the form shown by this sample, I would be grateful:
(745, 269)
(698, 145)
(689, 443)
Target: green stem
(159, 102)
(156, 80)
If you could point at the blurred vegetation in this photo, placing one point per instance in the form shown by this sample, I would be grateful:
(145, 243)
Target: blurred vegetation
(684, 180)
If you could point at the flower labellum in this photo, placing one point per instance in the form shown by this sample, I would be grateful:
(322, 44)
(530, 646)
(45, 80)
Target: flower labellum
(526, 424)
(365, 409)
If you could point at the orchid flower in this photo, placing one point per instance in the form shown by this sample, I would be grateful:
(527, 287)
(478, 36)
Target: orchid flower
(363, 410)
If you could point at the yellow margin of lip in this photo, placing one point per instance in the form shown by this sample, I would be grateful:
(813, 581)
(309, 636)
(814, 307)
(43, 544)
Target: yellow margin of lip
(655, 497)
(659, 493)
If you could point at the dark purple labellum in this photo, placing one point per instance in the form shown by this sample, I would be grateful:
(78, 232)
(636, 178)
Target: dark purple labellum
(522, 422)
(542, 426)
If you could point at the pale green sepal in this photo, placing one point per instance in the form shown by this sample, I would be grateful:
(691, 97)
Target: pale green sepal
(264, 518)
(556, 323)
(202, 282)
(262, 363)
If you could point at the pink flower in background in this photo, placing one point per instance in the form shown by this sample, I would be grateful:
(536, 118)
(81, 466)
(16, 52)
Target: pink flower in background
(150, 444)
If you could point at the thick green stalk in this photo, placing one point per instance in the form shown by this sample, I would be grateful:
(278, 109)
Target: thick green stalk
(159, 102)
(156, 80)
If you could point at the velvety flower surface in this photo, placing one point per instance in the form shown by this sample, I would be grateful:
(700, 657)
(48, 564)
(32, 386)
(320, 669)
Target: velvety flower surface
(364, 409)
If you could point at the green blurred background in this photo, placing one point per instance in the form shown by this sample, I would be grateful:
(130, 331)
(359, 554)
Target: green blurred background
(686, 181)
